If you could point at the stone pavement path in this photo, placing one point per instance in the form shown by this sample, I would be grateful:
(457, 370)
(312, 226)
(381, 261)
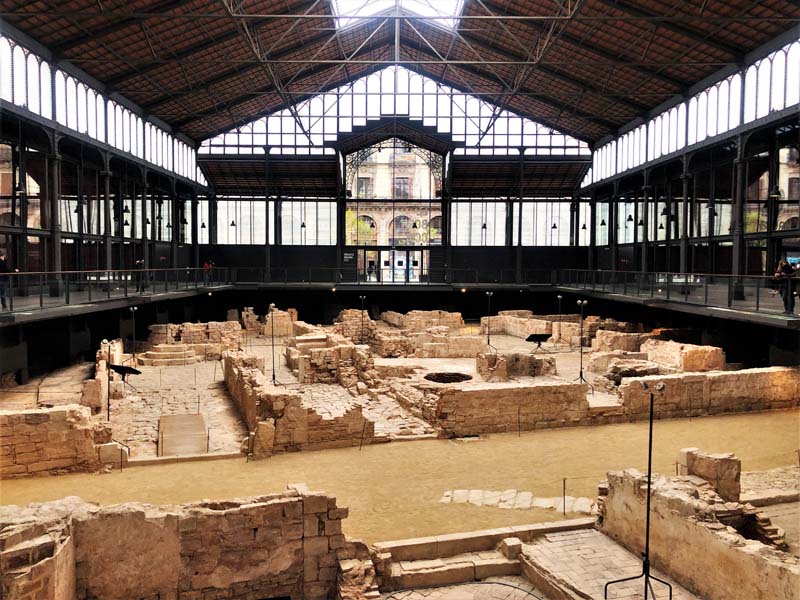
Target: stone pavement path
(54, 389)
(494, 588)
(587, 559)
(518, 500)
(169, 391)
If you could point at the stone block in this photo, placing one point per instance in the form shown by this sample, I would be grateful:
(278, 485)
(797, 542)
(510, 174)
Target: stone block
(510, 547)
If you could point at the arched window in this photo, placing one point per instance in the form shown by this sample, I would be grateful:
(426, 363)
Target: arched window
(735, 112)
(682, 126)
(793, 75)
(91, 111)
(764, 87)
(80, 90)
(72, 104)
(6, 84)
(140, 137)
(750, 93)
(711, 124)
(112, 127)
(34, 104)
(367, 231)
(723, 96)
(778, 92)
(126, 131)
(702, 117)
(120, 128)
(101, 118)
(46, 90)
(692, 120)
(400, 231)
(20, 88)
(673, 129)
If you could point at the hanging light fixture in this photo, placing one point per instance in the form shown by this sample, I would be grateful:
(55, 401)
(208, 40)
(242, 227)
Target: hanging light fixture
(661, 226)
(147, 221)
(126, 210)
(372, 224)
(158, 218)
(641, 223)
(303, 225)
(583, 227)
(233, 223)
(554, 226)
(125, 223)
(483, 226)
(664, 212)
(630, 218)
(603, 223)
(202, 225)
(184, 221)
(414, 225)
(169, 225)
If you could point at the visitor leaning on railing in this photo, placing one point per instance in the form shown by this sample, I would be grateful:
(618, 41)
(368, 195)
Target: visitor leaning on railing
(787, 277)
(4, 271)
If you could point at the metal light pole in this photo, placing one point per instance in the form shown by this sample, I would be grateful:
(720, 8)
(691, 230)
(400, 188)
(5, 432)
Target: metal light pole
(648, 587)
(133, 310)
(582, 304)
(272, 321)
(362, 298)
(489, 318)
(559, 338)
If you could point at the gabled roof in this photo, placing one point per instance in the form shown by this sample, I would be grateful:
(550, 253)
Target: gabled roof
(584, 67)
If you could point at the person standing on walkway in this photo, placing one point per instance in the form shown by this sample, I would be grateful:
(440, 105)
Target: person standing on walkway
(787, 278)
(4, 278)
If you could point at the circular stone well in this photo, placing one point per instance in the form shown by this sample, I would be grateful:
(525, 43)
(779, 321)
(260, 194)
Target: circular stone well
(448, 377)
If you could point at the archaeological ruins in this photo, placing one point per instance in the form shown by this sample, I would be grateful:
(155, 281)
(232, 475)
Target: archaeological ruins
(262, 388)
(399, 300)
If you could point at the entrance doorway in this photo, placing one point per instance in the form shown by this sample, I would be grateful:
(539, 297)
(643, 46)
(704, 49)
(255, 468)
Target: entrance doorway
(392, 266)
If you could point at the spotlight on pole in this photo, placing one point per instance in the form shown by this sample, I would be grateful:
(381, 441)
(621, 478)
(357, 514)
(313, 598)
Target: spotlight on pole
(582, 305)
(489, 318)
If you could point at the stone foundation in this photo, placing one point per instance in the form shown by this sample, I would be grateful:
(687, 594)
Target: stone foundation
(262, 547)
(722, 471)
(279, 321)
(355, 326)
(609, 341)
(94, 392)
(208, 340)
(501, 367)
(436, 343)
(279, 421)
(697, 394)
(420, 320)
(684, 357)
(472, 410)
(53, 440)
(694, 540)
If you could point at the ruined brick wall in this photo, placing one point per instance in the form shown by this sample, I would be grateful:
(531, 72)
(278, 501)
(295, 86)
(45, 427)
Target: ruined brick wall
(609, 341)
(283, 324)
(499, 367)
(355, 326)
(206, 339)
(262, 547)
(695, 394)
(690, 544)
(722, 471)
(472, 410)
(436, 343)
(49, 440)
(278, 419)
(94, 391)
(684, 357)
(420, 320)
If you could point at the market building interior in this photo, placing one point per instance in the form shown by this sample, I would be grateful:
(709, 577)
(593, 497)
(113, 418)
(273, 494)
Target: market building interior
(248, 247)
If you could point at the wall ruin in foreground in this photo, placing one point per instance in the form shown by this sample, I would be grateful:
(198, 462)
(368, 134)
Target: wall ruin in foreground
(263, 547)
(691, 541)
(53, 440)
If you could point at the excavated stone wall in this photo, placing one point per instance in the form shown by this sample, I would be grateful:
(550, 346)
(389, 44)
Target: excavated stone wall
(94, 391)
(692, 541)
(262, 547)
(420, 320)
(436, 343)
(279, 421)
(501, 367)
(609, 341)
(684, 357)
(355, 326)
(696, 394)
(722, 471)
(205, 339)
(472, 410)
(283, 324)
(50, 440)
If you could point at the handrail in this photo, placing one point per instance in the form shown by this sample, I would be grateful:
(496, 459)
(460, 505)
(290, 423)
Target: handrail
(125, 270)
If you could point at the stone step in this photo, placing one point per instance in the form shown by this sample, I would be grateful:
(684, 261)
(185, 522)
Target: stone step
(461, 568)
(168, 362)
(164, 355)
(27, 552)
(169, 348)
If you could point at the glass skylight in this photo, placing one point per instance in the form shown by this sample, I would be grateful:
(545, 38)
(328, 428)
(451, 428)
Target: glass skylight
(423, 8)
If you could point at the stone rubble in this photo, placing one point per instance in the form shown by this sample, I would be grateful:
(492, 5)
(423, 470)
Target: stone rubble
(208, 340)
